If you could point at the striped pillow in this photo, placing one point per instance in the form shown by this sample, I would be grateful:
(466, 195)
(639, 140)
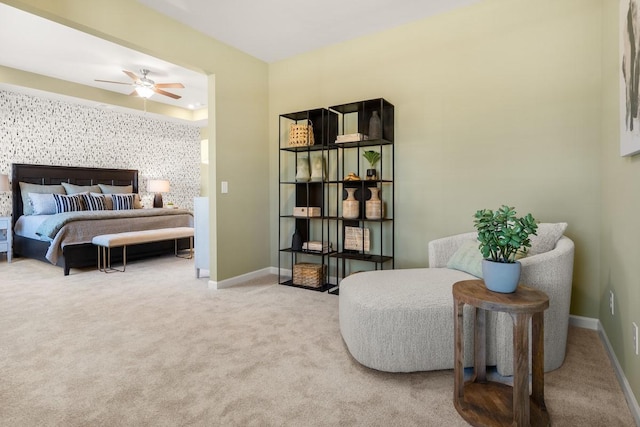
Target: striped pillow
(122, 201)
(94, 203)
(68, 203)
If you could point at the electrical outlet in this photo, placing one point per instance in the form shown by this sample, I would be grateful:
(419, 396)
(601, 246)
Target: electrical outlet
(611, 302)
(635, 337)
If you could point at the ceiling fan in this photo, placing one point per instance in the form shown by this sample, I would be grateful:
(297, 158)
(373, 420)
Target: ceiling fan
(144, 87)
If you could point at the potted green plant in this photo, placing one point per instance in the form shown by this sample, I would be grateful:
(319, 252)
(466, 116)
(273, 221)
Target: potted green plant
(372, 157)
(501, 235)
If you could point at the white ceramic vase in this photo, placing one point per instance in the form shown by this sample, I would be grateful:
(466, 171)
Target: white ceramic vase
(302, 169)
(374, 206)
(350, 206)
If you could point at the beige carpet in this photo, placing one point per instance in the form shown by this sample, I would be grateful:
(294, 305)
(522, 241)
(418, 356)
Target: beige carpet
(153, 346)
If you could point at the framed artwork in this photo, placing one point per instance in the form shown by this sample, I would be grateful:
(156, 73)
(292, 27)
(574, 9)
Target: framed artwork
(354, 240)
(629, 58)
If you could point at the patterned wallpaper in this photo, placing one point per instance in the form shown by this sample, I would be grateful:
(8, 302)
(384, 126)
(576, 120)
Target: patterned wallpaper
(36, 130)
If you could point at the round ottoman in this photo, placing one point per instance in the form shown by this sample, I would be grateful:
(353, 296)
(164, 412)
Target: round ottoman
(402, 320)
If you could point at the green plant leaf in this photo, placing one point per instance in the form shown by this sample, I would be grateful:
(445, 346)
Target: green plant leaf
(502, 234)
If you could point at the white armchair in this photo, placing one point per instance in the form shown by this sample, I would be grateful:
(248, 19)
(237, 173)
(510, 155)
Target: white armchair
(402, 320)
(550, 272)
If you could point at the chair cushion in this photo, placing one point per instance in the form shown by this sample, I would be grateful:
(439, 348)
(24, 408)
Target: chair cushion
(547, 236)
(467, 258)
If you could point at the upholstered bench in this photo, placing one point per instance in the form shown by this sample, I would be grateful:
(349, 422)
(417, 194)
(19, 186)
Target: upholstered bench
(106, 242)
(401, 320)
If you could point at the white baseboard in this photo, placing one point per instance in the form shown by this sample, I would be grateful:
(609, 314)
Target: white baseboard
(226, 283)
(584, 322)
(596, 325)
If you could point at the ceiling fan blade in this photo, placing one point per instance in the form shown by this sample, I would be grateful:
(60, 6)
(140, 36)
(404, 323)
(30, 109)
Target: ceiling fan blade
(132, 75)
(110, 81)
(162, 92)
(175, 85)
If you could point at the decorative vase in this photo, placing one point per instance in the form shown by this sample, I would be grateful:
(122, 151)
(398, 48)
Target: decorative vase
(317, 168)
(372, 175)
(374, 206)
(296, 241)
(375, 128)
(350, 206)
(302, 169)
(500, 276)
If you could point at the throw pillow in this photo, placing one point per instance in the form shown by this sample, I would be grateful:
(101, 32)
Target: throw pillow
(68, 203)
(94, 203)
(75, 189)
(467, 258)
(122, 201)
(26, 188)
(547, 236)
(116, 189)
(122, 189)
(108, 201)
(42, 204)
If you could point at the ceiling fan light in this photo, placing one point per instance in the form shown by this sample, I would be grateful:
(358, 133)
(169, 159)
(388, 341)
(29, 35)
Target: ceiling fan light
(144, 91)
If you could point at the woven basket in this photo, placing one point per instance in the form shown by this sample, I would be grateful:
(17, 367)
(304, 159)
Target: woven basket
(309, 274)
(301, 135)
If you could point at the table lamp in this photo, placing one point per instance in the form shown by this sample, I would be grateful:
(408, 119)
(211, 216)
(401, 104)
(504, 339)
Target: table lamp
(157, 186)
(4, 183)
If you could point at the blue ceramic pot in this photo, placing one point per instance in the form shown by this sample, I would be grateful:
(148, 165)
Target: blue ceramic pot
(501, 277)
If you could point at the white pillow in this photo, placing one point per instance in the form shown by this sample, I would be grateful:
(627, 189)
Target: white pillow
(42, 203)
(547, 236)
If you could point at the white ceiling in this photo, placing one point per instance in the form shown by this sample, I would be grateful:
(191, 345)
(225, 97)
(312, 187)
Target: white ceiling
(270, 30)
(31, 43)
(277, 29)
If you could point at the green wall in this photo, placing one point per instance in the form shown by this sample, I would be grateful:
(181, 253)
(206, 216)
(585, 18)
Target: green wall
(496, 103)
(504, 101)
(238, 118)
(620, 201)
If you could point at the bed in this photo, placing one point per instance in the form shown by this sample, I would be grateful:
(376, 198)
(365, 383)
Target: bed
(70, 246)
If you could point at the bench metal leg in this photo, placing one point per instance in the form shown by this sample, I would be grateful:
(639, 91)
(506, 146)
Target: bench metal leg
(104, 258)
(190, 249)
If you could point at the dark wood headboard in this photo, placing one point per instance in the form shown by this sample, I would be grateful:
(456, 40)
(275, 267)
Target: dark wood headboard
(50, 175)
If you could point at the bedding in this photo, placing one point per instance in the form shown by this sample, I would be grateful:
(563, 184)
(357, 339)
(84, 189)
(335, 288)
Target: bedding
(80, 227)
(27, 225)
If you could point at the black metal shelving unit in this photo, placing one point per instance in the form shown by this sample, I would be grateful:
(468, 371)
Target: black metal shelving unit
(293, 193)
(328, 193)
(354, 118)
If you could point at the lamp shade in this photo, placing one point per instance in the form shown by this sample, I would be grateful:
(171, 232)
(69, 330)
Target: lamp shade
(144, 91)
(158, 186)
(4, 183)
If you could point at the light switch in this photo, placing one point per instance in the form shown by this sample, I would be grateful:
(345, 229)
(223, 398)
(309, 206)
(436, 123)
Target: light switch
(224, 187)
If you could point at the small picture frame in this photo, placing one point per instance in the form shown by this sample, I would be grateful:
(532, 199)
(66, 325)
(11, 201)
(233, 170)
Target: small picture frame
(354, 240)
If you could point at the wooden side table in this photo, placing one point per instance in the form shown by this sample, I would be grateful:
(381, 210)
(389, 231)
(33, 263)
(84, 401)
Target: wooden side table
(488, 403)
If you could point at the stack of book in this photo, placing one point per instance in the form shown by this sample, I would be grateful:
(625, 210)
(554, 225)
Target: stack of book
(351, 137)
(314, 246)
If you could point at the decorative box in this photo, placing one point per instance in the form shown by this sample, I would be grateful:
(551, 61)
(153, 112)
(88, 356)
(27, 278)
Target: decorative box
(306, 211)
(309, 274)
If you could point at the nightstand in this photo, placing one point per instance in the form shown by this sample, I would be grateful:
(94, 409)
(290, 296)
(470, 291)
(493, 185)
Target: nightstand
(5, 236)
